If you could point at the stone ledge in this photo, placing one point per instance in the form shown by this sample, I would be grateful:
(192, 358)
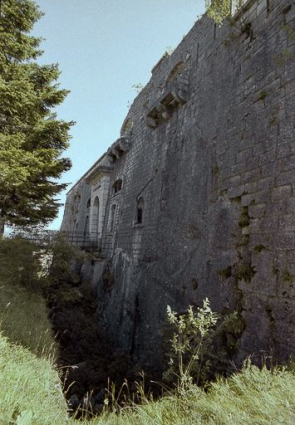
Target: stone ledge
(117, 149)
(175, 96)
(100, 169)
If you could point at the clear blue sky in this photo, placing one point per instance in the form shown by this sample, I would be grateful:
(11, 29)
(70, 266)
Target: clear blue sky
(103, 47)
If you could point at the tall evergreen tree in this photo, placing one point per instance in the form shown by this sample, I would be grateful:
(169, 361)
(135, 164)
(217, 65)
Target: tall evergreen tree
(32, 139)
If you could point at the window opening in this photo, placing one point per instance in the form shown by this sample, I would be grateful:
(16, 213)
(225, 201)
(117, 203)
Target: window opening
(86, 228)
(112, 223)
(117, 186)
(127, 127)
(139, 212)
(95, 216)
(88, 205)
(176, 72)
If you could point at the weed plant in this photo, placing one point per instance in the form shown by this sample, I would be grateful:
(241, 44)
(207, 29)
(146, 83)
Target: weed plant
(192, 330)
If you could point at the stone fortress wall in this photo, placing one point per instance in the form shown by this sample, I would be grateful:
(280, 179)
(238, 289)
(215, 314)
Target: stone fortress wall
(197, 197)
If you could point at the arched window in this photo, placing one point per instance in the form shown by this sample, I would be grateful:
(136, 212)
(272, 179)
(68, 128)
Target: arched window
(117, 186)
(95, 216)
(176, 71)
(140, 211)
(88, 205)
(127, 127)
(112, 217)
(86, 228)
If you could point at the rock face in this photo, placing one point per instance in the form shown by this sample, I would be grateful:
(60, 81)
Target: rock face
(197, 197)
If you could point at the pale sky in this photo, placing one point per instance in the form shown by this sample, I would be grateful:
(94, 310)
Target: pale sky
(103, 48)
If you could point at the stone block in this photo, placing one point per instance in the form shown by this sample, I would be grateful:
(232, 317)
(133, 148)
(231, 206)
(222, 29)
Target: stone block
(281, 192)
(285, 177)
(257, 211)
(244, 155)
(287, 223)
(284, 241)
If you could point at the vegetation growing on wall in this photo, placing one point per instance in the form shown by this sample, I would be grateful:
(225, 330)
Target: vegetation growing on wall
(218, 10)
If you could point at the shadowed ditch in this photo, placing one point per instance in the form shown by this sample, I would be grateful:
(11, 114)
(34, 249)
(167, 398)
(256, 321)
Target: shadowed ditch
(85, 356)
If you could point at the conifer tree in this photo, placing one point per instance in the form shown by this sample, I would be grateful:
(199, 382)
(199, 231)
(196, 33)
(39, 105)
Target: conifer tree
(32, 139)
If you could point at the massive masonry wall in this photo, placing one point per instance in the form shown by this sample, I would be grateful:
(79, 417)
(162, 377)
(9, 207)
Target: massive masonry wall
(211, 151)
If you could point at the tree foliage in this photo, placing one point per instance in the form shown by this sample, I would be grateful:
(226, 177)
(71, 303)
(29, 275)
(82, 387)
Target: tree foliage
(39, 263)
(32, 139)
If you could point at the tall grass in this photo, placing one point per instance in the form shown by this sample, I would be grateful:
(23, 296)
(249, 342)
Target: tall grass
(30, 393)
(30, 390)
(24, 319)
(251, 397)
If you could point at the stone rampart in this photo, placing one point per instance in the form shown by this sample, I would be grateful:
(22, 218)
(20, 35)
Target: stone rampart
(198, 195)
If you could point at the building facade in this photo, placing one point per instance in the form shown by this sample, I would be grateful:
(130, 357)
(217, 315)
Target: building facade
(196, 198)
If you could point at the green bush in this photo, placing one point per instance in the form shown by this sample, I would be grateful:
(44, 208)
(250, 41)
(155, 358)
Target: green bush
(191, 333)
(19, 262)
(27, 272)
(23, 312)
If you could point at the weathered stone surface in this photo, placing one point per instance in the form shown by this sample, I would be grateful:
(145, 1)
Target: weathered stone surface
(215, 175)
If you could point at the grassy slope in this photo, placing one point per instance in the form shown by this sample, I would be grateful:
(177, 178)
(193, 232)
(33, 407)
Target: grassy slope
(30, 393)
(24, 319)
(251, 397)
(30, 388)
(23, 312)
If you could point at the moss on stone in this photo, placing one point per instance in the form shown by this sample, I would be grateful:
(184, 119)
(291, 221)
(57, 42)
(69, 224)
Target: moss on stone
(244, 220)
(287, 277)
(262, 95)
(245, 272)
(226, 273)
(259, 248)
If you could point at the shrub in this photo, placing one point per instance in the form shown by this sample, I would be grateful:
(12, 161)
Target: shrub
(191, 332)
